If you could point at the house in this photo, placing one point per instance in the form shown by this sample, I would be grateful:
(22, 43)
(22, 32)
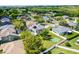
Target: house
(36, 28)
(45, 25)
(30, 23)
(65, 17)
(5, 19)
(52, 13)
(25, 18)
(61, 30)
(45, 18)
(6, 26)
(70, 23)
(8, 33)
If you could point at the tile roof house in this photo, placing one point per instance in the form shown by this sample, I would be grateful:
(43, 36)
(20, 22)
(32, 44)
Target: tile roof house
(61, 29)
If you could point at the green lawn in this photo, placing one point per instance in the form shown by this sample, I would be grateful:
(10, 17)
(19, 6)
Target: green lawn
(49, 43)
(70, 35)
(54, 36)
(62, 51)
(55, 39)
(73, 43)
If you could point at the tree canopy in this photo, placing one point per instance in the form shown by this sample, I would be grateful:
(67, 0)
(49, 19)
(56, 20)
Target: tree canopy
(33, 44)
(19, 24)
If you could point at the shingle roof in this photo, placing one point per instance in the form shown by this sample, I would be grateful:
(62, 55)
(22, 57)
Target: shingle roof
(6, 26)
(38, 27)
(61, 29)
(5, 19)
(72, 24)
(45, 17)
(7, 31)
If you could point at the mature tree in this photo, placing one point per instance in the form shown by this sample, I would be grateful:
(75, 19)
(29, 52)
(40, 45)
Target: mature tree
(14, 12)
(19, 24)
(32, 44)
(45, 34)
(39, 19)
(2, 12)
(63, 23)
(24, 11)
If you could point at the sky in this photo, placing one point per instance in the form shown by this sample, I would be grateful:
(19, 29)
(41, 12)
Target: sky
(38, 2)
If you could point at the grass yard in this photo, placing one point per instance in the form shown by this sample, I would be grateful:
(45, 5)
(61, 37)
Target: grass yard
(70, 35)
(55, 39)
(49, 43)
(73, 43)
(55, 36)
(61, 51)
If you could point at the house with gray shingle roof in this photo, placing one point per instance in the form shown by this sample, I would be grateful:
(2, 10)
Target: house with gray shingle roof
(5, 19)
(8, 33)
(45, 18)
(61, 29)
(35, 28)
(65, 17)
(72, 23)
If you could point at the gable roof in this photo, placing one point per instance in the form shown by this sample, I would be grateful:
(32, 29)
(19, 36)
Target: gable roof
(7, 31)
(45, 17)
(5, 19)
(61, 29)
(72, 23)
(6, 26)
(36, 27)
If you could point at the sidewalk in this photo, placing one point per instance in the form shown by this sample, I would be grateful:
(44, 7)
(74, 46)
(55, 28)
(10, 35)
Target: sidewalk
(70, 49)
(58, 35)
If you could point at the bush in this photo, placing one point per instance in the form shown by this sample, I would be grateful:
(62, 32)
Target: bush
(68, 44)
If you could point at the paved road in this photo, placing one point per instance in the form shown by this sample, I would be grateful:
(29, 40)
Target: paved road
(70, 49)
